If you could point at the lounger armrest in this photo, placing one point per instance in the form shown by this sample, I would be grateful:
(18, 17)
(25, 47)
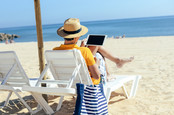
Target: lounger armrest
(50, 91)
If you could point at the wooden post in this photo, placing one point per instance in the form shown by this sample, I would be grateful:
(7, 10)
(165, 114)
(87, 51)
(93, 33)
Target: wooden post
(39, 34)
(40, 39)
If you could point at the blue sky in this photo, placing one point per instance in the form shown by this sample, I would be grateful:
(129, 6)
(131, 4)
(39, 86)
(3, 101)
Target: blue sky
(21, 12)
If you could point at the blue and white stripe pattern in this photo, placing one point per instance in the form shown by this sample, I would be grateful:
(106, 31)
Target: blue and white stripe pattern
(93, 101)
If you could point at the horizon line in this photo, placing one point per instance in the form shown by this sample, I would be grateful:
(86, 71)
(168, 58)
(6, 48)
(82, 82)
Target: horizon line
(88, 21)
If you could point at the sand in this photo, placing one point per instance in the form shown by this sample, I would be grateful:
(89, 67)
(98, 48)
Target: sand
(154, 60)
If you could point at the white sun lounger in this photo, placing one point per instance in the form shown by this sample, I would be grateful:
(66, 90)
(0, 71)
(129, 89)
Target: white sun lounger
(68, 67)
(13, 77)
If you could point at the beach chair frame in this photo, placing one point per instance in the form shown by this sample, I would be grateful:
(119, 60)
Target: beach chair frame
(58, 61)
(13, 77)
(68, 68)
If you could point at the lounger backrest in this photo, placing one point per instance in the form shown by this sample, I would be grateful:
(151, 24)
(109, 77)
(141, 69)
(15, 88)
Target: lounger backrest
(11, 71)
(63, 63)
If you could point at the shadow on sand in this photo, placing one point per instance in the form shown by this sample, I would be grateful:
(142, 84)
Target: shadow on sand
(15, 106)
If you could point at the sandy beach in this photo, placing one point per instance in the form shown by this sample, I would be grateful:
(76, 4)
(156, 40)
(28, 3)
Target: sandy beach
(154, 60)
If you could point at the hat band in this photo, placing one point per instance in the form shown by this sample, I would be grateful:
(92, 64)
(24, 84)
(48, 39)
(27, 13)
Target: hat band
(72, 32)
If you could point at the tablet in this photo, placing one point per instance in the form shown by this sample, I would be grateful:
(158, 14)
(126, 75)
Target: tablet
(95, 40)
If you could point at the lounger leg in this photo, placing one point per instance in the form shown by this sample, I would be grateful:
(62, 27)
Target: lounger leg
(60, 103)
(41, 101)
(7, 100)
(125, 92)
(107, 94)
(39, 108)
(134, 86)
(26, 105)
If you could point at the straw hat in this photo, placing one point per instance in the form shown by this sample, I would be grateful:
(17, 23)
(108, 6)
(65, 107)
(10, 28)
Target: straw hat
(72, 28)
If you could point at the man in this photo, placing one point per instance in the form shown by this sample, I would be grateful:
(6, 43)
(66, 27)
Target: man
(71, 32)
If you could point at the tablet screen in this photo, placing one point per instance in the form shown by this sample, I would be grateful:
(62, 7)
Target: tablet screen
(96, 39)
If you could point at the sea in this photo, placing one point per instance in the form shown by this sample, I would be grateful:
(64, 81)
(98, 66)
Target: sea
(132, 27)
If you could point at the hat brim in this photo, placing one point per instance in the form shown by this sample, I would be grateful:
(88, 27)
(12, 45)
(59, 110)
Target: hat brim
(61, 33)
